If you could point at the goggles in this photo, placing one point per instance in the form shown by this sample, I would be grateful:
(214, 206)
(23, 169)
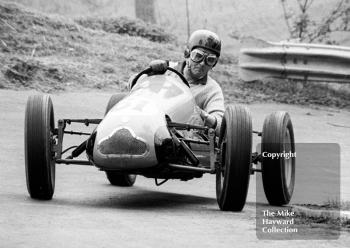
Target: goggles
(198, 56)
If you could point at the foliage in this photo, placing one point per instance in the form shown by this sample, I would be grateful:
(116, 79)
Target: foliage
(303, 26)
(292, 92)
(52, 53)
(124, 25)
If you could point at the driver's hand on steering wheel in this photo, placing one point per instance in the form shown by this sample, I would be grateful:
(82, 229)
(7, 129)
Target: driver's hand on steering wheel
(159, 66)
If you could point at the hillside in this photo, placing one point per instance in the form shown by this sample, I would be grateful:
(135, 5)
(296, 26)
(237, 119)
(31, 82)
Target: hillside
(261, 19)
(53, 53)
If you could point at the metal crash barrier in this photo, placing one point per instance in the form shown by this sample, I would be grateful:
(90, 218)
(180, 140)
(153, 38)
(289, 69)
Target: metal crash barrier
(326, 63)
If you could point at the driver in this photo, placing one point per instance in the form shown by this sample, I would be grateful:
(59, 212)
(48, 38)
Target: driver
(201, 55)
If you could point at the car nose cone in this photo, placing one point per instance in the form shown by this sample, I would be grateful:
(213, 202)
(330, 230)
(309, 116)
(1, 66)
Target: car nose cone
(122, 142)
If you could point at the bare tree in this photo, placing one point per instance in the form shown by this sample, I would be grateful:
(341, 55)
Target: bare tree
(302, 26)
(144, 10)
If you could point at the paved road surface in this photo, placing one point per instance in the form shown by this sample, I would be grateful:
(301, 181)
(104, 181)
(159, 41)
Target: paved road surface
(87, 212)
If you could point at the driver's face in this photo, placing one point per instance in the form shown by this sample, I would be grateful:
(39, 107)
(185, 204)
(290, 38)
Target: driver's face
(199, 69)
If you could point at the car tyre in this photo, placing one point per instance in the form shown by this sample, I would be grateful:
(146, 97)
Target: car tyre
(118, 179)
(39, 155)
(115, 178)
(233, 172)
(278, 174)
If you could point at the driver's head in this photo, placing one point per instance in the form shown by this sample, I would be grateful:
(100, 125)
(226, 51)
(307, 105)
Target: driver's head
(202, 52)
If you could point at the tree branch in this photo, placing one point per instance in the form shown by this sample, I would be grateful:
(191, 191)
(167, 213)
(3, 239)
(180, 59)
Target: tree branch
(324, 27)
(286, 18)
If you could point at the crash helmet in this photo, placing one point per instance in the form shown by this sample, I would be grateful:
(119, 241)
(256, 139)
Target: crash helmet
(205, 39)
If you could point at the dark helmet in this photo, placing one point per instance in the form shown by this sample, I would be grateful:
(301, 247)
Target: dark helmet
(205, 39)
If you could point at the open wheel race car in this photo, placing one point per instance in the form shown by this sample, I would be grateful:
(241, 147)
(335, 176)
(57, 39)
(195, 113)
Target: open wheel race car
(144, 132)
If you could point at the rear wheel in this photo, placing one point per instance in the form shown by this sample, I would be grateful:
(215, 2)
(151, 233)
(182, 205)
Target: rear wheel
(278, 174)
(117, 179)
(39, 155)
(232, 176)
(113, 177)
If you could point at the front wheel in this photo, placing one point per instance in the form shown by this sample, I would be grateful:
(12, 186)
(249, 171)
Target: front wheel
(39, 155)
(233, 172)
(278, 174)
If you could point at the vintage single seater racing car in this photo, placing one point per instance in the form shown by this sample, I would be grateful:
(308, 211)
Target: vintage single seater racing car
(146, 132)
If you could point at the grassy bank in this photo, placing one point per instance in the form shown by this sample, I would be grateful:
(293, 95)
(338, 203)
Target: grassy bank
(55, 53)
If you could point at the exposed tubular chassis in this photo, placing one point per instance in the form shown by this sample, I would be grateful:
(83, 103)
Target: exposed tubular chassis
(177, 138)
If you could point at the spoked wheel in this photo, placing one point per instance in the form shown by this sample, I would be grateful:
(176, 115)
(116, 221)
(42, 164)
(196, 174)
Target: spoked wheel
(39, 155)
(115, 178)
(232, 175)
(278, 174)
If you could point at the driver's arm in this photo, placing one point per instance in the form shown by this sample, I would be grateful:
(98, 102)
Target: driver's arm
(211, 101)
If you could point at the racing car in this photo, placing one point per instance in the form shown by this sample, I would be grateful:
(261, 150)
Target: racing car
(145, 132)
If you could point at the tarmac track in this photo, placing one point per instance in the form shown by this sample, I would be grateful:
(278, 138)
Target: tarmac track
(88, 212)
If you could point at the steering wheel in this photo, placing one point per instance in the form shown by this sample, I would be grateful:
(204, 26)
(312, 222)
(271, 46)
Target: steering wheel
(149, 70)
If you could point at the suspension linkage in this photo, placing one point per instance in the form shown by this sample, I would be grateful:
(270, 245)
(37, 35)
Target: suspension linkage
(76, 133)
(85, 121)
